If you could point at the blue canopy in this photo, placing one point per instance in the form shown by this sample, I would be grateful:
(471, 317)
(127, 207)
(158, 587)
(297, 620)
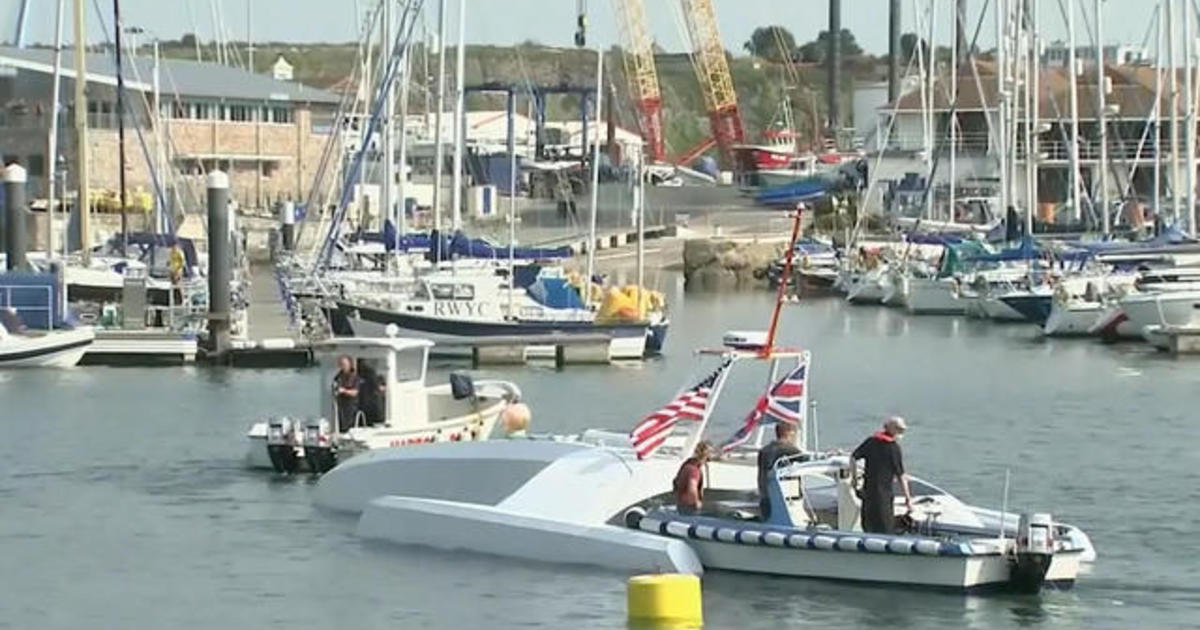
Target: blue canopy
(555, 293)
(811, 246)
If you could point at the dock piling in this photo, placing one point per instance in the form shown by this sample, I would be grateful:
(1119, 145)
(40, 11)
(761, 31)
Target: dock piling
(220, 261)
(15, 213)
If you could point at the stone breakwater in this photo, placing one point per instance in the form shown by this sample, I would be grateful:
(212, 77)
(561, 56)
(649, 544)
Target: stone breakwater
(717, 264)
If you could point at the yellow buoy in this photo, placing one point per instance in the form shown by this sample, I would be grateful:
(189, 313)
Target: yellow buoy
(665, 600)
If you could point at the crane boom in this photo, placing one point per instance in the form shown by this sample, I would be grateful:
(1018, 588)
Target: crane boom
(642, 74)
(712, 70)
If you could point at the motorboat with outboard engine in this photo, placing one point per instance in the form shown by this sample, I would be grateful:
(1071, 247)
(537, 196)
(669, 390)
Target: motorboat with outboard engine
(62, 347)
(413, 413)
(813, 531)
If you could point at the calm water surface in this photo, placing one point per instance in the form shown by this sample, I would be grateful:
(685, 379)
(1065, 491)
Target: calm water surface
(123, 503)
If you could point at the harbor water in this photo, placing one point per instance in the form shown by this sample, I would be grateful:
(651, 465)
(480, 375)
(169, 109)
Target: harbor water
(125, 504)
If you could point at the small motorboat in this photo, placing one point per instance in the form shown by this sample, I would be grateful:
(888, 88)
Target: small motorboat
(22, 348)
(813, 531)
(413, 413)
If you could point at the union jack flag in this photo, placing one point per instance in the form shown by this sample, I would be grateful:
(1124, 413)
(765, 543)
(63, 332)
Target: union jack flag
(690, 404)
(784, 402)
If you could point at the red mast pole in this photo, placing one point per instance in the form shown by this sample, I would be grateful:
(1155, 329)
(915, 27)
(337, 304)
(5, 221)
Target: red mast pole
(769, 347)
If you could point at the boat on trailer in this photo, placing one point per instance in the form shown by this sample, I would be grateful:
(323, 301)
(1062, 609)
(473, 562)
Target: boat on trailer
(413, 413)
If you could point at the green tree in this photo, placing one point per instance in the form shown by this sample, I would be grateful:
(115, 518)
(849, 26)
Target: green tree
(816, 50)
(774, 43)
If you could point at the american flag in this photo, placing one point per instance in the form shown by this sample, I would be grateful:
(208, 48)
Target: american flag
(690, 404)
(784, 402)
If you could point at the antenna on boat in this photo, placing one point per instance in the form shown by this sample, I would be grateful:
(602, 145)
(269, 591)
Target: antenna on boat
(1004, 508)
(769, 347)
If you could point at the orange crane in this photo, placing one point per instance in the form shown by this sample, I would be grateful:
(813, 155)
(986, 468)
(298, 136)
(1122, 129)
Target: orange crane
(716, 82)
(642, 74)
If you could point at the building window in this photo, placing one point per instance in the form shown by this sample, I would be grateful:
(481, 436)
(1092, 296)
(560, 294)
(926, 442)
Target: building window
(283, 115)
(240, 113)
(201, 111)
(37, 165)
(179, 111)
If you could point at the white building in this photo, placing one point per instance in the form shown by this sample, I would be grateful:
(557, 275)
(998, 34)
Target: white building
(281, 70)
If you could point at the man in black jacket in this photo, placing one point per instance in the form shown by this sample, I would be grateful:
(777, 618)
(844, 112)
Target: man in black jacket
(884, 464)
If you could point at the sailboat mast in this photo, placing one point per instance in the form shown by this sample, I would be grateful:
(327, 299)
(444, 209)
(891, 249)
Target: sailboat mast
(1035, 111)
(52, 141)
(122, 199)
(1102, 120)
(402, 159)
(1176, 189)
(1189, 50)
(1158, 71)
(81, 133)
(460, 127)
(511, 113)
(639, 205)
(591, 249)
(386, 50)
(1073, 65)
(1002, 101)
(955, 51)
(439, 151)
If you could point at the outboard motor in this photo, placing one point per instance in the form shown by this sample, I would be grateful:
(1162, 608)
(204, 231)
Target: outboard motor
(1033, 554)
(462, 386)
(281, 445)
(319, 446)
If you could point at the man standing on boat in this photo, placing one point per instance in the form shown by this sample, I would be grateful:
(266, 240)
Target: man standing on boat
(783, 446)
(345, 388)
(884, 463)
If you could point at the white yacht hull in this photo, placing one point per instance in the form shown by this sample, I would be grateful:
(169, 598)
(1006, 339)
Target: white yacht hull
(934, 297)
(1072, 319)
(621, 347)
(1172, 309)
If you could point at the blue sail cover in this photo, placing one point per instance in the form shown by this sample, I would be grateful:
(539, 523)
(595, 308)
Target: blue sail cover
(1029, 249)
(555, 293)
(1170, 236)
(788, 194)
(462, 247)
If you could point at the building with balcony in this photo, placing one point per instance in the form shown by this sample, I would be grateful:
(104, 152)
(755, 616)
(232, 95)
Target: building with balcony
(269, 135)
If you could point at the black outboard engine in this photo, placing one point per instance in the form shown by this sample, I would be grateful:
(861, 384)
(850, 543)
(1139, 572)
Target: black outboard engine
(462, 386)
(319, 448)
(281, 445)
(1033, 553)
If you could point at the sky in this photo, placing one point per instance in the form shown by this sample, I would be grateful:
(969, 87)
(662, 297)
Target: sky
(552, 22)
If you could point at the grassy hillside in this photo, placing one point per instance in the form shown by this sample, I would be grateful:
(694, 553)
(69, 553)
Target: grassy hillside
(761, 86)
